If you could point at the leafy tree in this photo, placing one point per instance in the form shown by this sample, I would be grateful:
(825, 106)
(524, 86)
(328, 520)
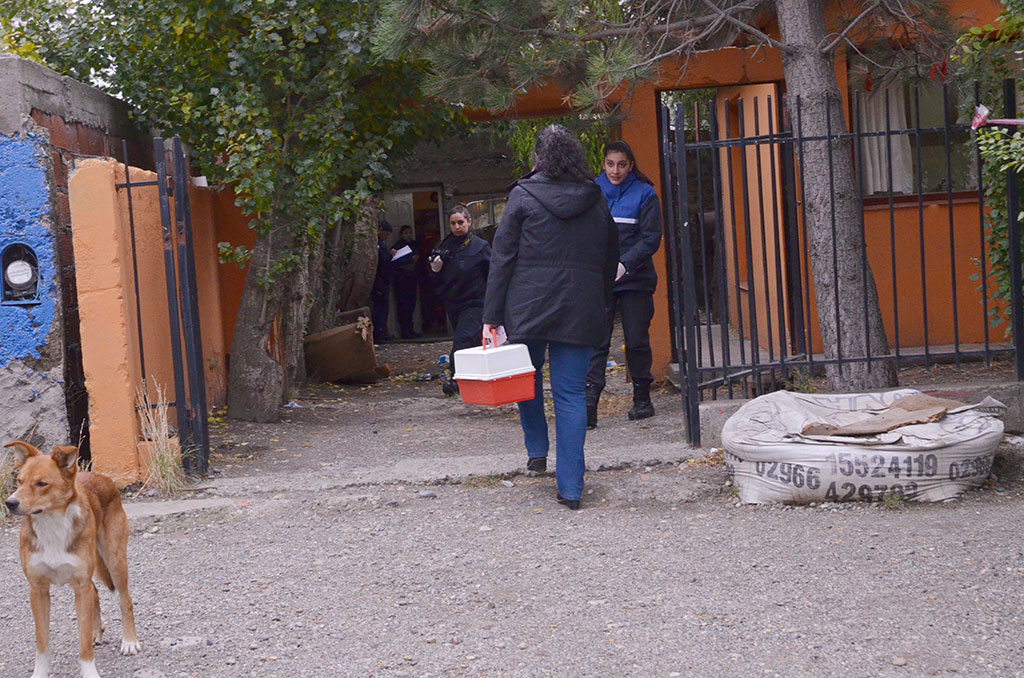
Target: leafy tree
(989, 54)
(521, 138)
(280, 99)
(488, 51)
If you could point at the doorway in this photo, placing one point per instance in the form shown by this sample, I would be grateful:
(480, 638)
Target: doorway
(412, 291)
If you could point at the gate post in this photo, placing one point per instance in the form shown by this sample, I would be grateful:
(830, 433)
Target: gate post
(180, 397)
(690, 378)
(1014, 241)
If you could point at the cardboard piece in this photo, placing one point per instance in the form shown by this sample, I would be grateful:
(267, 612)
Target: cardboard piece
(344, 353)
(911, 409)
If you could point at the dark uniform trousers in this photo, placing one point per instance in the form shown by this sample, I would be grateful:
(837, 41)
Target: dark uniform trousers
(637, 310)
(467, 322)
(405, 285)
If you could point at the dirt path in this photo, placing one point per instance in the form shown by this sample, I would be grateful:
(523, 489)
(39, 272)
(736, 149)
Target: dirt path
(333, 545)
(404, 429)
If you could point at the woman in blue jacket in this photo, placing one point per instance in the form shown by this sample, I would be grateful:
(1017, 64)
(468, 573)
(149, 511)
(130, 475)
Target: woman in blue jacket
(637, 213)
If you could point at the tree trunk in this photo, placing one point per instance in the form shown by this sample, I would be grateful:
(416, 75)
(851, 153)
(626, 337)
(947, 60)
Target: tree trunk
(348, 265)
(361, 262)
(325, 286)
(257, 377)
(294, 311)
(850, 320)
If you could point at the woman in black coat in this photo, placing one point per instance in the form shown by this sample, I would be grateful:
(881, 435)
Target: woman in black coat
(459, 267)
(554, 260)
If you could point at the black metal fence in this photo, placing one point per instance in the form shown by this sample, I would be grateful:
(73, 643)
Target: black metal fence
(744, 314)
(182, 299)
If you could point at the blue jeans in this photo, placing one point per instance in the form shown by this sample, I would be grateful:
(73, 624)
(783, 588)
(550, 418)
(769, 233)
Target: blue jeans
(568, 377)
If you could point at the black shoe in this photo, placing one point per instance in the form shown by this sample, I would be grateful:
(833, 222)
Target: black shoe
(537, 464)
(641, 410)
(573, 504)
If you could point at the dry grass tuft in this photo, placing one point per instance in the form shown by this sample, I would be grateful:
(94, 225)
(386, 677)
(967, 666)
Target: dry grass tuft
(164, 472)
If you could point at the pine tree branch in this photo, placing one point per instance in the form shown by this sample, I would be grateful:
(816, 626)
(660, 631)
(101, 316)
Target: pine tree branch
(625, 30)
(747, 28)
(842, 36)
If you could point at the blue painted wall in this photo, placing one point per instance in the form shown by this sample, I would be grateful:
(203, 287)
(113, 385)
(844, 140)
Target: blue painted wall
(24, 204)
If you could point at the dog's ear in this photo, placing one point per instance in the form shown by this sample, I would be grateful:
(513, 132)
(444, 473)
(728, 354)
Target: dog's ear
(22, 452)
(66, 458)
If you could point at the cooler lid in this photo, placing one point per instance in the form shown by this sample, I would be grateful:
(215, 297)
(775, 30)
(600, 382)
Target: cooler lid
(493, 363)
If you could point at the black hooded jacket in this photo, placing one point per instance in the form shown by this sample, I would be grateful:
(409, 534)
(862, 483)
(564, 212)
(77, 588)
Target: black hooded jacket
(553, 264)
(463, 278)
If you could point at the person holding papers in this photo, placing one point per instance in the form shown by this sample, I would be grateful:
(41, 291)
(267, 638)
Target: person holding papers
(405, 283)
(637, 212)
(459, 267)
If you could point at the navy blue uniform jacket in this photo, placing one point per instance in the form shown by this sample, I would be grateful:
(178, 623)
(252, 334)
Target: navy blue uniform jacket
(637, 212)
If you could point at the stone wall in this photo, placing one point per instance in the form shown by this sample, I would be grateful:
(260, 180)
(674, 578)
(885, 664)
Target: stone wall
(47, 123)
(466, 166)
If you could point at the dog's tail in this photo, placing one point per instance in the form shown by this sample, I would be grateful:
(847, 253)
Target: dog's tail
(103, 574)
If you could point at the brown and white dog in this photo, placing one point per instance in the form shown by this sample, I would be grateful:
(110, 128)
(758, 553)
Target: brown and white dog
(74, 528)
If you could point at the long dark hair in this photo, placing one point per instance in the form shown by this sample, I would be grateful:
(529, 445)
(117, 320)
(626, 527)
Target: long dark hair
(560, 155)
(623, 147)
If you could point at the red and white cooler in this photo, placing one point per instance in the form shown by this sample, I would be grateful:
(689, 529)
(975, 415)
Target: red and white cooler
(494, 376)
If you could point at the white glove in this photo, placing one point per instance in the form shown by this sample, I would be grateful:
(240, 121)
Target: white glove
(620, 272)
(436, 264)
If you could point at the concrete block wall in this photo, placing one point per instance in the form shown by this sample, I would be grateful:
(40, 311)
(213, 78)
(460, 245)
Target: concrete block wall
(47, 123)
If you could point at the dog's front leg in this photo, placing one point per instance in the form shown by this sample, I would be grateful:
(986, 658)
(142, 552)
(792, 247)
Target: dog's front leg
(85, 607)
(39, 595)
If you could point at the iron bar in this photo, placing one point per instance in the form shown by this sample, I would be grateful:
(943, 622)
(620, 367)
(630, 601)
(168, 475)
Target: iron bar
(764, 243)
(920, 221)
(667, 191)
(755, 350)
(199, 461)
(1014, 241)
(776, 235)
(135, 260)
(952, 229)
(835, 253)
(858, 163)
(689, 297)
(983, 257)
(806, 237)
(723, 292)
(703, 236)
(892, 228)
(180, 408)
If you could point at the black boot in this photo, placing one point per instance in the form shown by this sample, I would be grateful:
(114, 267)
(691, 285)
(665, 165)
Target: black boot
(642, 405)
(449, 386)
(593, 397)
(537, 464)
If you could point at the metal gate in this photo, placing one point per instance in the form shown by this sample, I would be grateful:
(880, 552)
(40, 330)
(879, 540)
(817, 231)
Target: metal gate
(172, 183)
(743, 313)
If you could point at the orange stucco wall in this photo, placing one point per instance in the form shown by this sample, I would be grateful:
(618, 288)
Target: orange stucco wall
(110, 337)
(231, 227)
(640, 130)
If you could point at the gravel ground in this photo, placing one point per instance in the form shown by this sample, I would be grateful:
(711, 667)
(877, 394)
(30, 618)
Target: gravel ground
(312, 571)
